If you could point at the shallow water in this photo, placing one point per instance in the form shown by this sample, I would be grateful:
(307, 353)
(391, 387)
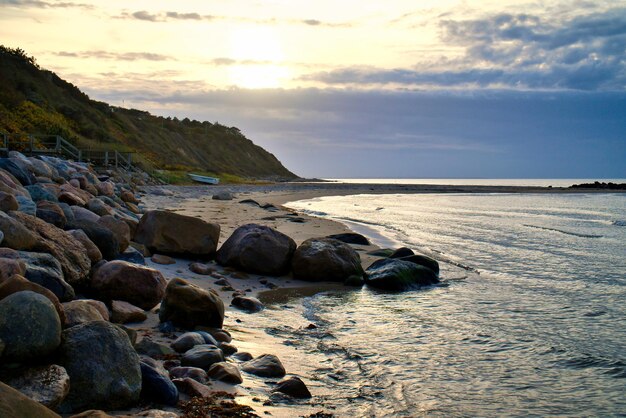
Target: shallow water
(540, 330)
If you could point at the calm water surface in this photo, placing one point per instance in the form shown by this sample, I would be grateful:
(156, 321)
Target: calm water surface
(530, 319)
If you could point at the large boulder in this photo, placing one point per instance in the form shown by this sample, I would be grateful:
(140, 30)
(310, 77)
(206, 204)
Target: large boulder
(187, 341)
(124, 312)
(103, 237)
(13, 166)
(15, 404)
(423, 260)
(188, 306)
(397, 275)
(40, 193)
(83, 214)
(10, 266)
(64, 247)
(248, 304)
(45, 270)
(266, 365)
(19, 284)
(294, 387)
(351, 238)
(103, 367)
(26, 205)
(16, 235)
(120, 229)
(257, 249)
(51, 213)
(93, 252)
(48, 385)
(171, 233)
(29, 326)
(194, 373)
(325, 259)
(120, 280)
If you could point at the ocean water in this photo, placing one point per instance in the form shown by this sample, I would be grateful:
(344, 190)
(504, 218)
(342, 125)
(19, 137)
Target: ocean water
(530, 318)
(481, 182)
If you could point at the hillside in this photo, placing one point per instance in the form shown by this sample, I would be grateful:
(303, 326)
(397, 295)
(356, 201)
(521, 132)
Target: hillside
(34, 100)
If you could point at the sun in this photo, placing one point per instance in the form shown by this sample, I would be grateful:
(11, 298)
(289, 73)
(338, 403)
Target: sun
(258, 55)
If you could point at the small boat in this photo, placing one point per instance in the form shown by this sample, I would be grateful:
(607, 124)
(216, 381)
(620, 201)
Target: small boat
(203, 179)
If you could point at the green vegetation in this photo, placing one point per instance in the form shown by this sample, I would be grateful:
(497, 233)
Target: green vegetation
(37, 101)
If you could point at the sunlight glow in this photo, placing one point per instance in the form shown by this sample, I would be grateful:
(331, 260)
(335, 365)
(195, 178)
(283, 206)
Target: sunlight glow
(258, 52)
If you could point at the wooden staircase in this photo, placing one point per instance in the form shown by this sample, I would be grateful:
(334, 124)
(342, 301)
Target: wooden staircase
(56, 145)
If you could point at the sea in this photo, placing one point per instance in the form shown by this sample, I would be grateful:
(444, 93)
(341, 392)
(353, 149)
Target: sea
(529, 318)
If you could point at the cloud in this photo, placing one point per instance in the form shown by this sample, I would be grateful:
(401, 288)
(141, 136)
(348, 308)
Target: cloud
(45, 4)
(174, 16)
(515, 51)
(118, 56)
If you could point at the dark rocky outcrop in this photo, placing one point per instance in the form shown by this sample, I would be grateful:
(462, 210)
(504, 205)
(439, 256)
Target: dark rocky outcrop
(325, 259)
(30, 326)
(225, 372)
(102, 237)
(397, 275)
(257, 249)
(141, 286)
(156, 385)
(170, 233)
(188, 306)
(248, 304)
(266, 365)
(294, 387)
(103, 367)
(351, 238)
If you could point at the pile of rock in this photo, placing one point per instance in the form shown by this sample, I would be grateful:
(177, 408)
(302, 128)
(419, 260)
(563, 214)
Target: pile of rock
(72, 272)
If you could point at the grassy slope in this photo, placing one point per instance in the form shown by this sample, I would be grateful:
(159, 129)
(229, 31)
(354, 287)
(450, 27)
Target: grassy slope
(33, 100)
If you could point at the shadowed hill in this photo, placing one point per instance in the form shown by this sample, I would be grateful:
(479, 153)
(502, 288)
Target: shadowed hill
(34, 100)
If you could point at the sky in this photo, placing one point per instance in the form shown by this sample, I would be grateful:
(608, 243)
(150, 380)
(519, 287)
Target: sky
(360, 89)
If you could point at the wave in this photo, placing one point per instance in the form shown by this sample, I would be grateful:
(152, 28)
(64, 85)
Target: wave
(575, 234)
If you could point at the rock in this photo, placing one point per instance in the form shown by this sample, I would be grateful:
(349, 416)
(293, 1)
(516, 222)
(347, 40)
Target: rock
(45, 270)
(401, 252)
(156, 385)
(48, 385)
(200, 268)
(192, 388)
(257, 249)
(80, 311)
(354, 281)
(39, 193)
(162, 259)
(99, 306)
(71, 199)
(10, 267)
(51, 213)
(93, 252)
(225, 372)
(132, 255)
(187, 341)
(29, 326)
(106, 188)
(208, 338)
(171, 233)
(120, 229)
(82, 214)
(194, 373)
(325, 259)
(42, 169)
(120, 280)
(202, 356)
(223, 195)
(228, 349)
(247, 304)
(128, 197)
(61, 245)
(15, 404)
(188, 306)
(423, 260)
(250, 202)
(123, 312)
(218, 334)
(12, 166)
(381, 252)
(153, 349)
(18, 283)
(294, 387)
(98, 207)
(102, 237)
(242, 356)
(266, 365)
(351, 238)
(9, 184)
(16, 235)
(8, 202)
(26, 205)
(103, 367)
(397, 275)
